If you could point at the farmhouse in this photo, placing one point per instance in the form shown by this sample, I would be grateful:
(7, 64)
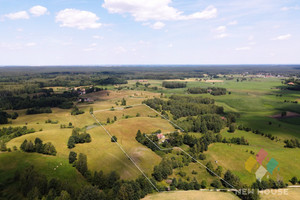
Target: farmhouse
(291, 83)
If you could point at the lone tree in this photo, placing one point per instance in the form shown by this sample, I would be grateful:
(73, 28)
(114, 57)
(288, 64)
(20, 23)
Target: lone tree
(72, 157)
(283, 114)
(232, 128)
(114, 139)
(91, 110)
(123, 102)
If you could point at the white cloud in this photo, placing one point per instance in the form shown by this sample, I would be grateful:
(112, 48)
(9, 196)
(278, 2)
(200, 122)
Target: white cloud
(251, 37)
(290, 8)
(232, 23)
(74, 18)
(38, 11)
(144, 10)
(98, 37)
(170, 45)
(220, 36)
(242, 48)
(30, 44)
(221, 32)
(282, 37)
(120, 50)
(221, 29)
(17, 15)
(157, 25)
(89, 49)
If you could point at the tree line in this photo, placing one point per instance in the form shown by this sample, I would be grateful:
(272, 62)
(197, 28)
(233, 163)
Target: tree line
(172, 84)
(9, 133)
(212, 90)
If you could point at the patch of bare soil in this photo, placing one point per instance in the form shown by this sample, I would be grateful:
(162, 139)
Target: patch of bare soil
(288, 115)
(214, 81)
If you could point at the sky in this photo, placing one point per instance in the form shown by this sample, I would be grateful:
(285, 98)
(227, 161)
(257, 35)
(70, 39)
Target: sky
(133, 32)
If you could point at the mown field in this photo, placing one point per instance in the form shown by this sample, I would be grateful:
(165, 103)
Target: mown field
(281, 194)
(191, 195)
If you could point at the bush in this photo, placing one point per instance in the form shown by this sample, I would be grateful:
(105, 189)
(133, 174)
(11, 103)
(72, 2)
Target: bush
(76, 111)
(114, 139)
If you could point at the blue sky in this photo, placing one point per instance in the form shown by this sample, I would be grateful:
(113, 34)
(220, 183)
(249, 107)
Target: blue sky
(112, 32)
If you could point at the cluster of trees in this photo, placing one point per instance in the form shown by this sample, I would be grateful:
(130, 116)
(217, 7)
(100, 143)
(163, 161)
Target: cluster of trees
(9, 133)
(268, 184)
(163, 170)
(212, 90)
(295, 180)
(76, 111)
(172, 84)
(4, 116)
(92, 89)
(78, 137)
(217, 91)
(197, 90)
(39, 147)
(80, 163)
(203, 123)
(70, 125)
(183, 106)
(292, 143)
(38, 110)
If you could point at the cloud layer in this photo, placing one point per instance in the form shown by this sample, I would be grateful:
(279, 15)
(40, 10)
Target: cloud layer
(282, 37)
(160, 10)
